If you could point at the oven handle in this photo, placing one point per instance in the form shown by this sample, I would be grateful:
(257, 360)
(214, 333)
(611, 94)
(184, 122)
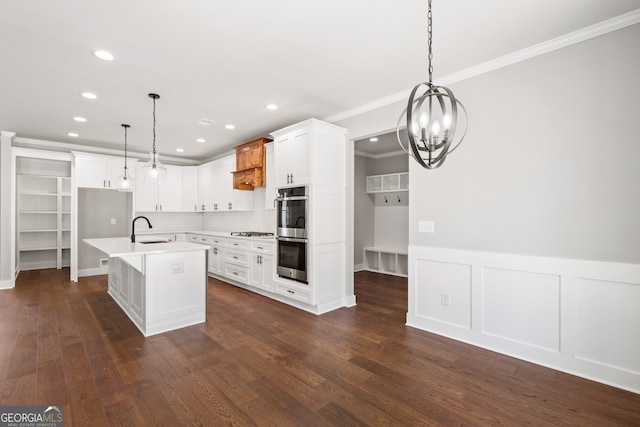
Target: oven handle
(291, 239)
(294, 198)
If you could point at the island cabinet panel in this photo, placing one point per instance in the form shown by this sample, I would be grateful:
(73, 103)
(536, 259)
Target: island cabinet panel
(177, 297)
(160, 286)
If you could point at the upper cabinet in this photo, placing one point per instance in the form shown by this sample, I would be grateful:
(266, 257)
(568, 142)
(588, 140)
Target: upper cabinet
(154, 197)
(250, 165)
(190, 189)
(292, 155)
(309, 152)
(215, 187)
(95, 171)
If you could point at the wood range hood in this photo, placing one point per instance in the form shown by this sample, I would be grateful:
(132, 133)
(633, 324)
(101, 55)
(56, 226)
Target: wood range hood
(250, 165)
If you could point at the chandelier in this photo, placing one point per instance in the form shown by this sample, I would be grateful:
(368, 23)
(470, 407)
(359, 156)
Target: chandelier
(431, 119)
(125, 182)
(154, 171)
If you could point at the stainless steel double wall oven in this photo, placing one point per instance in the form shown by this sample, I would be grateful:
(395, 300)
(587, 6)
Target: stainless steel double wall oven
(292, 233)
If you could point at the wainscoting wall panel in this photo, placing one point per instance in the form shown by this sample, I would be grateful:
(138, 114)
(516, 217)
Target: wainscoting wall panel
(607, 318)
(531, 302)
(577, 316)
(443, 292)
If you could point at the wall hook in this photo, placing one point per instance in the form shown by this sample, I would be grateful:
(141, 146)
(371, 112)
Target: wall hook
(385, 199)
(398, 198)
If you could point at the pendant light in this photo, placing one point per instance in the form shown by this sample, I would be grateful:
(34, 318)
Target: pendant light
(125, 182)
(431, 119)
(154, 171)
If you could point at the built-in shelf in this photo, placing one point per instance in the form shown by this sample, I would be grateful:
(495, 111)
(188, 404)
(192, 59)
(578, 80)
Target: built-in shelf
(388, 261)
(391, 182)
(44, 221)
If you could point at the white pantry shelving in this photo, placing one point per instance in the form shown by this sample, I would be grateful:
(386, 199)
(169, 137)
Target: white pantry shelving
(390, 182)
(44, 221)
(388, 261)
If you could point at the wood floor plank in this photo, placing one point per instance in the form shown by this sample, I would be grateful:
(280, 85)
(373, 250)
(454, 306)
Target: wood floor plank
(259, 362)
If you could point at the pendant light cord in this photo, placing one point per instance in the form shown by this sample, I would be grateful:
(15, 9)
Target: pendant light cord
(125, 151)
(429, 29)
(154, 131)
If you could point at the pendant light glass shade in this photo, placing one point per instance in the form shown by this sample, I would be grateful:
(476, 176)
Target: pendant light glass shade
(125, 181)
(154, 171)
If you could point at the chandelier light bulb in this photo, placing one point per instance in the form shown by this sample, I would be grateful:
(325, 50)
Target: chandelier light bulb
(446, 122)
(435, 128)
(424, 120)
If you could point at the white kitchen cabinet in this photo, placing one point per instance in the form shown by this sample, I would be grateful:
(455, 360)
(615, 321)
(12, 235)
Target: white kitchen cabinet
(262, 269)
(44, 221)
(154, 197)
(292, 156)
(94, 171)
(233, 200)
(215, 187)
(190, 189)
(205, 186)
(271, 190)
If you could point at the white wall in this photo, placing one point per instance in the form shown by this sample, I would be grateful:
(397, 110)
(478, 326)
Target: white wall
(537, 236)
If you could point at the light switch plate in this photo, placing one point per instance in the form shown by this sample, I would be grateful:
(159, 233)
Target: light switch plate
(426, 226)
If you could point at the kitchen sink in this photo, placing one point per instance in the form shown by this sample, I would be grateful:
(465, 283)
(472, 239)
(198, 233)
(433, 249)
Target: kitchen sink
(155, 241)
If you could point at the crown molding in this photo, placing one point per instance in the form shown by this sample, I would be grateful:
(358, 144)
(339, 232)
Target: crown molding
(68, 147)
(592, 31)
(379, 156)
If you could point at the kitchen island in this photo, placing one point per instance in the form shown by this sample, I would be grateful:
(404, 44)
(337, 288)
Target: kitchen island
(161, 286)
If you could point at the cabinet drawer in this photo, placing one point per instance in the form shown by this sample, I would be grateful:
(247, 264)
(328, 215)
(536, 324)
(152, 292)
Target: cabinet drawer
(237, 273)
(293, 293)
(262, 247)
(236, 257)
(238, 244)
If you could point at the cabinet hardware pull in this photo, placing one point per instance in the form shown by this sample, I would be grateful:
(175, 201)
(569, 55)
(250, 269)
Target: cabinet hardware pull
(290, 291)
(109, 181)
(291, 178)
(104, 183)
(235, 257)
(260, 247)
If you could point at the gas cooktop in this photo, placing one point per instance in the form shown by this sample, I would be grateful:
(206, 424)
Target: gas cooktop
(251, 233)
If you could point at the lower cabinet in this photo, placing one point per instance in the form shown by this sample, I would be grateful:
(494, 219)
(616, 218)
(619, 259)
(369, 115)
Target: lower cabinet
(262, 271)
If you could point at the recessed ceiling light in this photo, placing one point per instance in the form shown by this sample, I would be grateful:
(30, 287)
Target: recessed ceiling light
(201, 140)
(179, 150)
(89, 95)
(103, 54)
(73, 134)
(79, 119)
(374, 139)
(229, 126)
(272, 107)
(205, 122)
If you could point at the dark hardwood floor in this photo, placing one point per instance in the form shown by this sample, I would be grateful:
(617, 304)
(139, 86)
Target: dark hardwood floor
(258, 362)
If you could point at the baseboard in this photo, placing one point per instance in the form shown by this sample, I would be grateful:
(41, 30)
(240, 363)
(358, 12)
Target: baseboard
(564, 314)
(358, 267)
(7, 284)
(93, 271)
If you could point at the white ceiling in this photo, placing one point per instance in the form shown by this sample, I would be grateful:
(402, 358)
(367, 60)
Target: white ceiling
(225, 60)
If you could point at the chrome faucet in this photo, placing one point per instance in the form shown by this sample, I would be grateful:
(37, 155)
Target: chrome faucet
(133, 227)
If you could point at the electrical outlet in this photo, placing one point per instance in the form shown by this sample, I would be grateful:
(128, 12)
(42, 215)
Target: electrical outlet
(426, 226)
(177, 267)
(444, 299)
(113, 221)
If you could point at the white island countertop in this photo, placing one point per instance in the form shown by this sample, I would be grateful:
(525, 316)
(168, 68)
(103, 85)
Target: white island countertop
(122, 246)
